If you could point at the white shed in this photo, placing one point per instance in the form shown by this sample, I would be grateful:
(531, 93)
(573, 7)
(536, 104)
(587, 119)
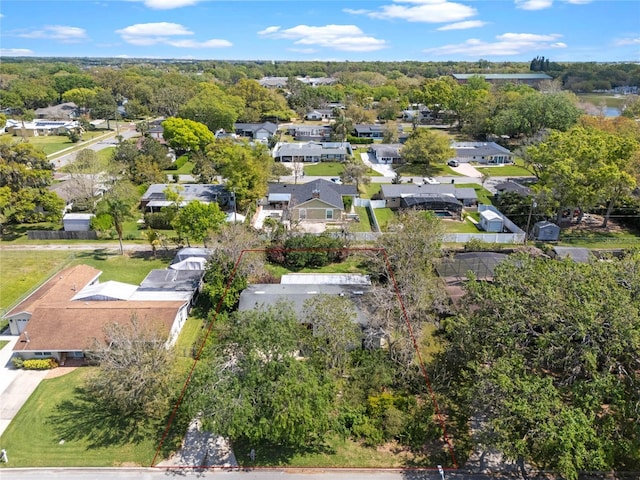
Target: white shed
(491, 221)
(77, 222)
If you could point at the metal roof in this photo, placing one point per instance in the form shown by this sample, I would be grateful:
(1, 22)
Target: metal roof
(325, 279)
(108, 290)
(175, 280)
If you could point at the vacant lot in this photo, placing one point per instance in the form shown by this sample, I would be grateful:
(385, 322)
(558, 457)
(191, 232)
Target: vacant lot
(54, 143)
(324, 169)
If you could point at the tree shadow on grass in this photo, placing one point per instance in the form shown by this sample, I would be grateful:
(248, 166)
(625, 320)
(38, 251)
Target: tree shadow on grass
(100, 254)
(273, 455)
(84, 418)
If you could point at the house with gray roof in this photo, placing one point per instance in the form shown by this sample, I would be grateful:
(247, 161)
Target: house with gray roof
(155, 197)
(482, 152)
(396, 195)
(314, 133)
(386, 153)
(312, 152)
(63, 111)
(319, 200)
(320, 114)
(532, 79)
(373, 130)
(256, 131)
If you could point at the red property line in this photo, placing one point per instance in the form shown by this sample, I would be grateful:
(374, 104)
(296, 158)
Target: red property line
(217, 311)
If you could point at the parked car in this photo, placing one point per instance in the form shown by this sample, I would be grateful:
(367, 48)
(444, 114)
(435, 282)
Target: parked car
(337, 181)
(431, 181)
(453, 163)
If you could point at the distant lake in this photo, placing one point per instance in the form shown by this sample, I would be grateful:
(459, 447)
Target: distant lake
(593, 103)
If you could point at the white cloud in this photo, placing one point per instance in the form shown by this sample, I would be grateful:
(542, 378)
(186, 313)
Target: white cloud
(578, 2)
(339, 37)
(507, 44)
(146, 34)
(534, 4)
(61, 33)
(463, 25)
(15, 52)
(354, 11)
(168, 4)
(426, 11)
(627, 41)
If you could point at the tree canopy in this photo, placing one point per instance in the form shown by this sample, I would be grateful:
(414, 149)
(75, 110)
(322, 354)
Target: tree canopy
(425, 146)
(186, 135)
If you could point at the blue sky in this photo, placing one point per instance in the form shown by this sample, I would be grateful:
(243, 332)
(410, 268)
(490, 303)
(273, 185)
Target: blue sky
(422, 30)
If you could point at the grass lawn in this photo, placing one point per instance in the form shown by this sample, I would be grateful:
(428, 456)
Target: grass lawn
(455, 226)
(324, 169)
(47, 432)
(599, 99)
(105, 154)
(433, 170)
(336, 452)
(130, 268)
(368, 191)
(22, 271)
(484, 195)
(3, 343)
(515, 170)
(54, 143)
(363, 225)
(383, 215)
(599, 239)
(186, 169)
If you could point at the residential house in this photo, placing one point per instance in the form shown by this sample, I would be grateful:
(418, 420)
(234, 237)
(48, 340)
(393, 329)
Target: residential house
(386, 153)
(481, 152)
(312, 152)
(155, 197)
(532, 79)
(319, 200)
(64, 111)
(368, 130)
(320, 114)
(511, 186)
(37, 128)
(256, 131)
(396, 195)
(314, 133)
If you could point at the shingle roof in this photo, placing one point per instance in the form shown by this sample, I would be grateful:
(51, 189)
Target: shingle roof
(328, 192)
(174, 280)
(312, 149)
(253, 127)
(73, 326)
(482, 149)
(361, 128)
(189, 192)
(408, 189)
(59, 288)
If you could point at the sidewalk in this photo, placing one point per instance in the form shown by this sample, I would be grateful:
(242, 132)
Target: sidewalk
(16, 386)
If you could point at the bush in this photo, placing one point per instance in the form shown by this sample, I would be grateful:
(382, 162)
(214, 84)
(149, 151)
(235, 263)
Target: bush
(17, 361)
(359, 141)
(39, 364)
(159, 220)
(308, 251)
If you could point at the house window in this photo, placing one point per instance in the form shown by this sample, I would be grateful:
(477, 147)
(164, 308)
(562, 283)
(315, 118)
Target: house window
(42, 354)
(302, 215)
(329, 214)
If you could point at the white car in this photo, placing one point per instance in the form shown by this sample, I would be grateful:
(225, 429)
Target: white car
(337, 181)
(431, 181)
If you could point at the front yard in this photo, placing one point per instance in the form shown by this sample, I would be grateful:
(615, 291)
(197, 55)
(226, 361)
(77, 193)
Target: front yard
(54, 143)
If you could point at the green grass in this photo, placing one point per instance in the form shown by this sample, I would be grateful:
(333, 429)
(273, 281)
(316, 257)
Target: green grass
(434, 170)
(455, 226)
(46, 433)
(324, 169)
(122, 268)
(368, 191)
(384, 215)
(188, 336)
(599, 239)
(505, 171)
(105, 154)
(599, 99)
(3, 343)
(353, 264)
(484, 195)
(363, 225)
(186, 169)
(335, 452)
(22, 271)
(54, 143)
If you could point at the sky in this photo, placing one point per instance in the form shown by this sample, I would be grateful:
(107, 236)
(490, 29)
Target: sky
(390, 30)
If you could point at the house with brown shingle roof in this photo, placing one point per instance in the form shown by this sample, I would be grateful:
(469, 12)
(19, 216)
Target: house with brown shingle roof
(65, 316)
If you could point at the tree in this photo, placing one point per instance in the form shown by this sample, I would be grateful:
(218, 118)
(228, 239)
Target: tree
(196, 219)
(135, 372)
(335, 330)
(245, 168)
(426, 146)
(355, 171)
(390, 133)
(551, 380)
(213, 107)
(342, 124)
(82, 97)
(186, 135)
(118, 204)
(250, 386)
(260, 103)
(103, 106)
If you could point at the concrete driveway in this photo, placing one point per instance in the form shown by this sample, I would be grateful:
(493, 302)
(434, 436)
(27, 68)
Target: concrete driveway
(16, 386)
(467, 170)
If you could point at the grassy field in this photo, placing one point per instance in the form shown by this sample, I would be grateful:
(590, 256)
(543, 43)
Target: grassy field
(22, 271)
(54, 143)
(615, 101)
(455, 226)
(368, 191)
(3, 343)
(505, 171)
(106, 153)
(186, 169)
(324, 169)
(383, 215)
(433, 170)
(53, 429)
(122, 268)
(363, 225)
(597, 239)
(484, 195)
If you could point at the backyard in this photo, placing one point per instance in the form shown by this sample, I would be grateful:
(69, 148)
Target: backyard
(54, 143)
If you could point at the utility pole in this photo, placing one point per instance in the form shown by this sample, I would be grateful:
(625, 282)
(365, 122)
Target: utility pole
(526, 233)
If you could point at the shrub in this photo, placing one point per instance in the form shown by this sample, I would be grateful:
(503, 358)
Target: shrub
(359, 141)
(39, 364)
(159, 220)
(17, 361)
(309, 251)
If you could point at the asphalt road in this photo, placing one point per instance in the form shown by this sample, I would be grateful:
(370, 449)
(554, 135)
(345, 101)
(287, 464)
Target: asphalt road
(268, 474)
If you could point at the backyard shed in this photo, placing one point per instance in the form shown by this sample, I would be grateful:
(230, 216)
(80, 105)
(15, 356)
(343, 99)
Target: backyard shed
(491, 221)
(77, 222)
(546, 231)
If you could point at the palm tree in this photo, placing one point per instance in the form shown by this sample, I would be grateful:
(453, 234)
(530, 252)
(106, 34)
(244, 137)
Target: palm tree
(342, 125)
(119, 210)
